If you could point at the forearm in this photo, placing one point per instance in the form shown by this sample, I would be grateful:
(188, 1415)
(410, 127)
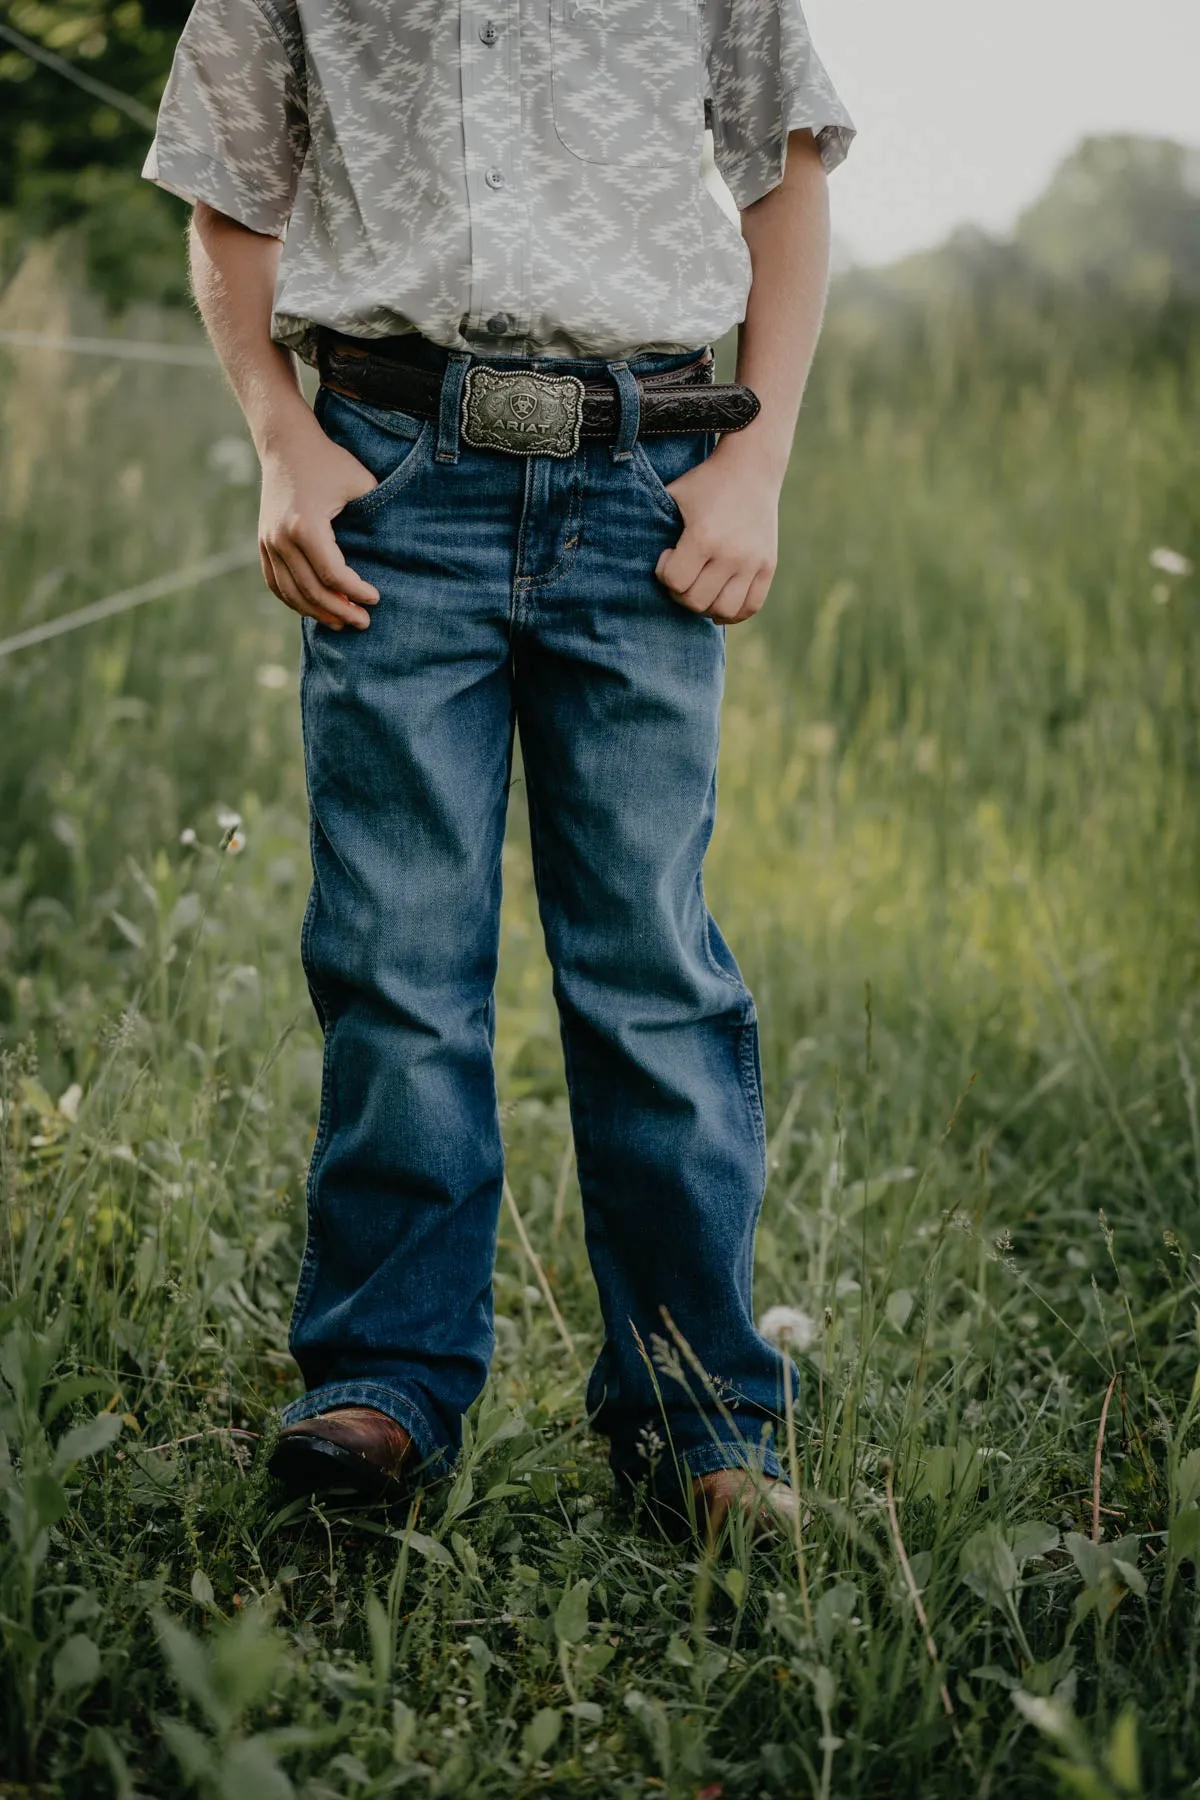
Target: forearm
(724, 561)
(306, 478)
(233, 274)
(787, 234)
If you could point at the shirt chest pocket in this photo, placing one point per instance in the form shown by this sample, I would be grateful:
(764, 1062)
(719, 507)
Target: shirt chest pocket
(625, 79)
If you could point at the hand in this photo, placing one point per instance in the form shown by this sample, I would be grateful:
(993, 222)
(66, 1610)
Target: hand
(723, 563)
(307, 479)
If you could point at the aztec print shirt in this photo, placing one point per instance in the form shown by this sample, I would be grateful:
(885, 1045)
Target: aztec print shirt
(521, 175)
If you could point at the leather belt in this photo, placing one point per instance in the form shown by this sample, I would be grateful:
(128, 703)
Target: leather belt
(526, 409)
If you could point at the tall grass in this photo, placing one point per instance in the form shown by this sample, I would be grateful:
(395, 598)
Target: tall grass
(956, 855)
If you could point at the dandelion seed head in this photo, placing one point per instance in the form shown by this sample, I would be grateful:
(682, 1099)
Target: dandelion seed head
(788, 1326)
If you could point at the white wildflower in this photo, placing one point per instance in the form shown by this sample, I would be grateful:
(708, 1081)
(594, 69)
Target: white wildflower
(68, 1106)
(227, 819)
(273, 676)
(788, 1326)
(1170, 562)
(236, 842)
(187, 836)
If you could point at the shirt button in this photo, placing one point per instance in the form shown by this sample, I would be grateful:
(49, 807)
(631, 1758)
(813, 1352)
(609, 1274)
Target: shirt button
(495, 178)
(488, 33)
(499, 324)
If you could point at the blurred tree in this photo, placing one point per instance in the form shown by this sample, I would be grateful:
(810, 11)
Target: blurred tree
(1102, 270)
(68, 157)
(1122, 215)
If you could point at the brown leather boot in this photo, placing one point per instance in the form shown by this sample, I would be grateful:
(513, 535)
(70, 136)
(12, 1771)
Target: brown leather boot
(768, 1504)
(350, 1449)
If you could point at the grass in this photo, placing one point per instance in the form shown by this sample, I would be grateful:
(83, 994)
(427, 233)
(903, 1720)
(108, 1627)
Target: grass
(957, 858)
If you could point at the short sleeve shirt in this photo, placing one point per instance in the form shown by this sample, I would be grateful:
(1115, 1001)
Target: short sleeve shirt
(525, 175)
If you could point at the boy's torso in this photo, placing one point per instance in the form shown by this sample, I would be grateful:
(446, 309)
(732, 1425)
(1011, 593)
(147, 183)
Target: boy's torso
(523, 176)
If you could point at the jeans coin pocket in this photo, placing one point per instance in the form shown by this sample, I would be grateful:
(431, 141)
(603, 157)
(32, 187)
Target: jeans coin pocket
(383, 440)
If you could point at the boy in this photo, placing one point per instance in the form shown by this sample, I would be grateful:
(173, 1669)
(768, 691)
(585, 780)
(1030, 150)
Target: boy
(520, 503)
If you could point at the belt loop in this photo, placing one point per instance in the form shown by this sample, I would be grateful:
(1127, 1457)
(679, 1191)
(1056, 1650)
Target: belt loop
(453, 376)
(629, 396)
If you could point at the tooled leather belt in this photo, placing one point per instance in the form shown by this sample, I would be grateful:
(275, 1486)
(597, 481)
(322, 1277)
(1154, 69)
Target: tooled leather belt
(531, 411)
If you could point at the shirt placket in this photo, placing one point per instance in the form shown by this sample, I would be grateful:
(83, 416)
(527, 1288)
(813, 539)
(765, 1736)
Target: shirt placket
(500, 303)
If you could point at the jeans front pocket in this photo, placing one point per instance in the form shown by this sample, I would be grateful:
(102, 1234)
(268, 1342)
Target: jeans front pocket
(659, 460)
(389, 443)
(625, 79)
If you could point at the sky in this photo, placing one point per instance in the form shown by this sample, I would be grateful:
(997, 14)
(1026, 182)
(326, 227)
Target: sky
(965, 107)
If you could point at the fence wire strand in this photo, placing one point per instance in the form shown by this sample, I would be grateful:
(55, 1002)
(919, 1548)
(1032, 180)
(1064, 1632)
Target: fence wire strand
(190, 356)
(226, 562)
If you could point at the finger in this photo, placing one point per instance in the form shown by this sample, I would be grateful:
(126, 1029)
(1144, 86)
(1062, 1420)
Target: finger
(330, 567)
(756, 595)
(729, 602)
(678, 567)
(704, 592)
(283, 585)
(315, 592)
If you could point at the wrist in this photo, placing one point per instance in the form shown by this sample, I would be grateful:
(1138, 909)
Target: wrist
(277, 426)
(764, 454)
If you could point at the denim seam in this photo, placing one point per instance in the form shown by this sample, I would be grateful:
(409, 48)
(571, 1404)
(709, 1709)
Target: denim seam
(308, 1261)
(576, 1092)
(400, 1407)
(524, 584)
(733, 981)
(575, 524)
(747, 1034)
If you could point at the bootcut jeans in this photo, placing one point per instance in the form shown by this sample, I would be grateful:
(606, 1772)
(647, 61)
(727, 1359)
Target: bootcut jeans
(518, 593)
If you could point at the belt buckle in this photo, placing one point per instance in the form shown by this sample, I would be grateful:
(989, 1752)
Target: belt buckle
(522, 411)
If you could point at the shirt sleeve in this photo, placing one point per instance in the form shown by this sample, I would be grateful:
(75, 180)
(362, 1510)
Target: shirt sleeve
(232, 124)
(766, 79)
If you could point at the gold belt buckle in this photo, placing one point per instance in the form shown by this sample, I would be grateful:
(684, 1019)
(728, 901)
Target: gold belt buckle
(522, 411)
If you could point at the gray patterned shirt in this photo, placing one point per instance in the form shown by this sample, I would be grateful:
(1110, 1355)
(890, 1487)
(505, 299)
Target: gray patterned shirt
(518, 174)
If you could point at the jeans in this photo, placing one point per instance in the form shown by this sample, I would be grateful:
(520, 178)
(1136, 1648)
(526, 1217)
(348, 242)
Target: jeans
(517, 593)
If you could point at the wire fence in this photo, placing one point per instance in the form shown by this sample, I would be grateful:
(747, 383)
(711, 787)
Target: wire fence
(189, 356)
(226, 562)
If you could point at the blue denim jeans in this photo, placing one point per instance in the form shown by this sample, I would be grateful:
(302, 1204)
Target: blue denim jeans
(518, 593)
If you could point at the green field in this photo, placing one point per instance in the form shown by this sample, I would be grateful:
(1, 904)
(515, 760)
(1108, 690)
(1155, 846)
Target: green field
(957, 857)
